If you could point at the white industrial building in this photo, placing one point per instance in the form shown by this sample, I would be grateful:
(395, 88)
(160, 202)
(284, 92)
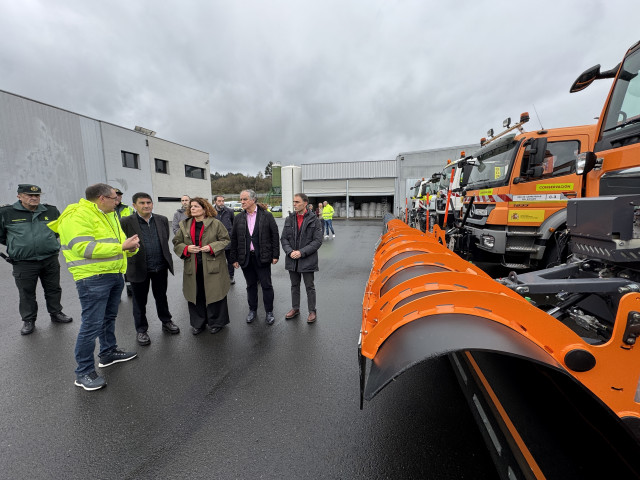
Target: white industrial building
(370, 188)
(64, 152)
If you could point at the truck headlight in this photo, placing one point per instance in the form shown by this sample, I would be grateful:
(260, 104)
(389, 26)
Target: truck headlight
(487, 241)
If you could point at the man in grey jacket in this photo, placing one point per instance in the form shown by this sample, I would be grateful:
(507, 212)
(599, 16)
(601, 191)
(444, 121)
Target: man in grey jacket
(301, 238)
(180, 214)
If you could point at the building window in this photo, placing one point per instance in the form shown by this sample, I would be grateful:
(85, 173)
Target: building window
(193, 172)
(162, 166)
(129, 160)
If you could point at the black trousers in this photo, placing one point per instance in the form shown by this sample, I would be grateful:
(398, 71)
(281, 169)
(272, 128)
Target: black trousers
(253, 273)
(215, 314)
(295, 278)
(26, 274)
(140, 290)
(229, 264)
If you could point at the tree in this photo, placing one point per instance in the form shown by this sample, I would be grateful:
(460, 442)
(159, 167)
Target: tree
(268, 169)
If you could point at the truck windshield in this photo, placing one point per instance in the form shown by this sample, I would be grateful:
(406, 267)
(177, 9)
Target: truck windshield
(624, 109)
(492, 167)
(445, 179)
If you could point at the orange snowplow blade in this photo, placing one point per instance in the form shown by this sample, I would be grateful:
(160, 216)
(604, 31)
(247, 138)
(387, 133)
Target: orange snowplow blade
(422, 301)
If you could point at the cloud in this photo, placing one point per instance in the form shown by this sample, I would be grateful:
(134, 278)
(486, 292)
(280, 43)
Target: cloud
(298, 82)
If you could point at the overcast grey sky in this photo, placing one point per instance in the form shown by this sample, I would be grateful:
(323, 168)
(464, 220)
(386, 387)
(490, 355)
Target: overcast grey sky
(299, 81)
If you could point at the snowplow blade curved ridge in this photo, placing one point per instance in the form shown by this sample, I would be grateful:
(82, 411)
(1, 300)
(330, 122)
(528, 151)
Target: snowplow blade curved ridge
(422, 301)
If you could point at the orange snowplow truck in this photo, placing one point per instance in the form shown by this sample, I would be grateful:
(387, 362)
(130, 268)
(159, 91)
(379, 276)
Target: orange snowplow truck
(549, 360)
(516, 193)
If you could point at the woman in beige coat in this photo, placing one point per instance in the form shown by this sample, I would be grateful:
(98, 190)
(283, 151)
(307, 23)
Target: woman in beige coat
(200, 242)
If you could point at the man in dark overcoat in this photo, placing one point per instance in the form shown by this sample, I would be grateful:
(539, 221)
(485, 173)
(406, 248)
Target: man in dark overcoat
(255, 247)
(301, 238)
(226, 216)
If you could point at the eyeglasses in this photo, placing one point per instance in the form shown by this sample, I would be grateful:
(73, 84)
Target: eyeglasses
(110, 198)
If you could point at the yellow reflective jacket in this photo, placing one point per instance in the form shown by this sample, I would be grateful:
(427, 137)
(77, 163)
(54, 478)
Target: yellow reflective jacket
(123, 210)
(91, 240)
(327, 212)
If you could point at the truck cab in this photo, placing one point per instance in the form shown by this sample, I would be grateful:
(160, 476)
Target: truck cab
(516, 191)
(447, 187)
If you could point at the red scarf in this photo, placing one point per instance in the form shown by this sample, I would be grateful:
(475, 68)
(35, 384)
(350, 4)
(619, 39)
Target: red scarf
(193, 237)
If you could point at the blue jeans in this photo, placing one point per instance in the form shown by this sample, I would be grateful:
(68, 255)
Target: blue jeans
(99, 299)
(328, 224)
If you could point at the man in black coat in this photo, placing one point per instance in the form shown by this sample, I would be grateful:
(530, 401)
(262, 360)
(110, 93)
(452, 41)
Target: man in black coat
(226, 216)
(151, 265)
(255, 247)
(301, 239)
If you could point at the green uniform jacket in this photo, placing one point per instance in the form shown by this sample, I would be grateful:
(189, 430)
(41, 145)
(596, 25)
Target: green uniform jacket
(91, 240)
(25, 233)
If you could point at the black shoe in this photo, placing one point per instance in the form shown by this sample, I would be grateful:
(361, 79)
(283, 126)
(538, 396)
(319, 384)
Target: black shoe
(214, 329)
(116, 356)
(143, 338)
(196, 331)
(252, 316)
(129, 290)
(170, 327)
(27, 328)
(270, 318)
(90, 381)
(61, 318)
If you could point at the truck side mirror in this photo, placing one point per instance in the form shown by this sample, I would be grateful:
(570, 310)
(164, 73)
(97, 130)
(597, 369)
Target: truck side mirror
(536, 150)
(585, 79)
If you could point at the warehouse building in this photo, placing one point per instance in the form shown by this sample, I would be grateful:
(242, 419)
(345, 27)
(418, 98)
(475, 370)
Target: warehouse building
(64, 152)
(368, 189)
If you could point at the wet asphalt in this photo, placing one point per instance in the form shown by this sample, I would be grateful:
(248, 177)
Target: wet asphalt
(253, 401)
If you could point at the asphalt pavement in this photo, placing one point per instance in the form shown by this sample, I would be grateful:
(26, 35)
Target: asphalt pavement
(253, 401)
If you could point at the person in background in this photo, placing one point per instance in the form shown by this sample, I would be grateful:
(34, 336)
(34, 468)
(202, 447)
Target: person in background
(301, 238)
(200, 242)
(226, 216)
(151, 266)
(121, 210)
(254, 248)
(181, 213)
(319, 215)
(96, 251)
(327, 215)
(33, 251)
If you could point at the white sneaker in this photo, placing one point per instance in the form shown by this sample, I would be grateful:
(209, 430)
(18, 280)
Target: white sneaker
(334, 235)
(326, 236)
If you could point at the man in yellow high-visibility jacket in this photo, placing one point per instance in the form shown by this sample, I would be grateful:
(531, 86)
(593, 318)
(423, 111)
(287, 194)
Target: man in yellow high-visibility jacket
(327, 216)
(96, 251)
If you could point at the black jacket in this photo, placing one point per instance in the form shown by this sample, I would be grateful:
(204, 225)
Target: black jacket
(226, 216)
(268, 245)
(308, 240)
(137, 264)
